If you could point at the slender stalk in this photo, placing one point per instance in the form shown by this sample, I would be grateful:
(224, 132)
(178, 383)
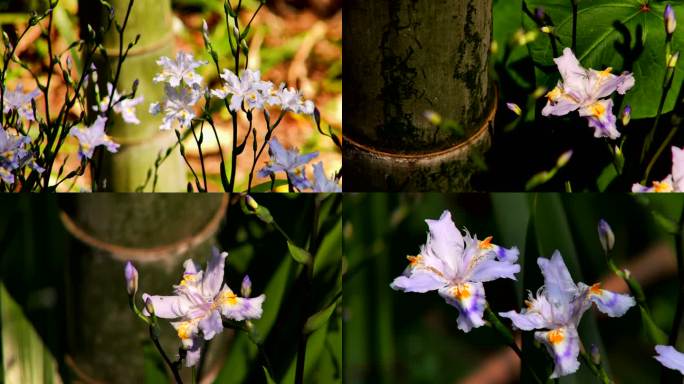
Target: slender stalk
(659, 152)
(574, 25)
(597, 369)
(199, 149)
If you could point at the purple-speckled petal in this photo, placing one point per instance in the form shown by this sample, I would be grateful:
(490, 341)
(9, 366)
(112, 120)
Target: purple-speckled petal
(469, 299)
(670, 357)
(525, 321)
(563, 346)
(211, 325)
(489, 270)
(418, 280)
(509, 255)
(611, 303)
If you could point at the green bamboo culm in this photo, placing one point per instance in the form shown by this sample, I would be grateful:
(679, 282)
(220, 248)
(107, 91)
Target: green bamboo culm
(140, 144)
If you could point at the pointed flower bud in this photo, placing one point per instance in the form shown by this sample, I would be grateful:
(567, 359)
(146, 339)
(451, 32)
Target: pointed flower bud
(564, 158)
(546, 29)
(626, 115)
(606, 236)
(246, 287)
(149, 306)
(251, 203)
(595, 354)
(131, 275)
(672, 60)
(205, 29)
(670, 20)
(514, 108)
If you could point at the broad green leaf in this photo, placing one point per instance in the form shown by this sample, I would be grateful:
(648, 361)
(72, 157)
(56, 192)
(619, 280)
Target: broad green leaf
(25, 358)
(266, 186)
(298, 254)
(602, 27)
(606, 177)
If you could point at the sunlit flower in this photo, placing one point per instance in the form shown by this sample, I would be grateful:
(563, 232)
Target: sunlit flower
(673, 182)
(288, 161)
(247, 89)
(93, 136)
(125, 107)
(178, 106)
(456, 265)
(19, 101)
(321, 183)
(290, 99)
(200, 299)
(557, 309)
(587, 90)
(14, 155)
(670, 357)
(181, 69)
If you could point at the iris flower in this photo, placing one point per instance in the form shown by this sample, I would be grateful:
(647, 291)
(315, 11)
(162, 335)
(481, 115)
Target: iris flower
(557, 309)
(93, 136)
(456, 265)
(14, 155)
(288, 161)
(674, 182)
(321, 183)
(21, 102)
(669, 357)
(180, 70)
(178, 106)
(587, 90)
(248, 88)
(200, 299)
(125, 107)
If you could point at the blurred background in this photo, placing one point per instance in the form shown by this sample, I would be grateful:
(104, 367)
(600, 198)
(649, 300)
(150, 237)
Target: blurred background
(65, 315)
(293, 41)
(395, 337)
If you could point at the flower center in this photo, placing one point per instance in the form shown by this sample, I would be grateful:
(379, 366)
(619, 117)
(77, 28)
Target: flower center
(486, 243)
(597, 109)
(662, 186)
(556, 336)
(461, 291)
(228, 298)
(415, 260)
(596, 289)
(184, 330)
(554, 94)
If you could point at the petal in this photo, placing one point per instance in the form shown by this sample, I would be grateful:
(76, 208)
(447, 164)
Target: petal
(213, 275)
(509, 255)
(563, 346)
(611, 303)
(488, 270)
(678, 168)
(569, 67)
(211, 325)
(445, 242)
(526, 321)
(469, 299)
(193, 354)
(168, 307)
(239, 308)
(417, 280)
(670, 357)
(557, 279)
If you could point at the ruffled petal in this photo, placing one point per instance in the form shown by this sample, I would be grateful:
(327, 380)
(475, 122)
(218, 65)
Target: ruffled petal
(611, 303)
(525, 321)
(563, 346)
(239, 308)
(445, 242)
(670, 357)
(417, 280)
(168, 307)
(509, 255)
(488, 270)
(213, 274)
(469, 299)
(557, 279)
(193, 354)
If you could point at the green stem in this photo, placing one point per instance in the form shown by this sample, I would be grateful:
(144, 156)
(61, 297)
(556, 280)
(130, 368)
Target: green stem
(597, 369)
(659, 152)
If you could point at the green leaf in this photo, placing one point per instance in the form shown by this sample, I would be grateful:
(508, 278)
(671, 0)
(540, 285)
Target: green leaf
(300, 255)
(269, 379)
(266, 186)
(606, 177)
(21, 344)
(602, 27)
(319, 318)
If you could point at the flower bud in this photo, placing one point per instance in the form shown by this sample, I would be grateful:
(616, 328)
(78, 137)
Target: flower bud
(149, 307)
(546, 29)
(514, 108)
(626, 115)
(251, 203)
(205, 30)
(131, 275)
(672, 60)
(246, 287)
(595, 354)
(670, 20)
(606, 236)
(432, 117)
(564, 158)
(236, 32)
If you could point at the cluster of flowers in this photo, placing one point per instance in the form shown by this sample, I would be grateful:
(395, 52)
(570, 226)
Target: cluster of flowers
(457, 264)
(674, 182)
(183, 89)
(14, 151)
(200, 303)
